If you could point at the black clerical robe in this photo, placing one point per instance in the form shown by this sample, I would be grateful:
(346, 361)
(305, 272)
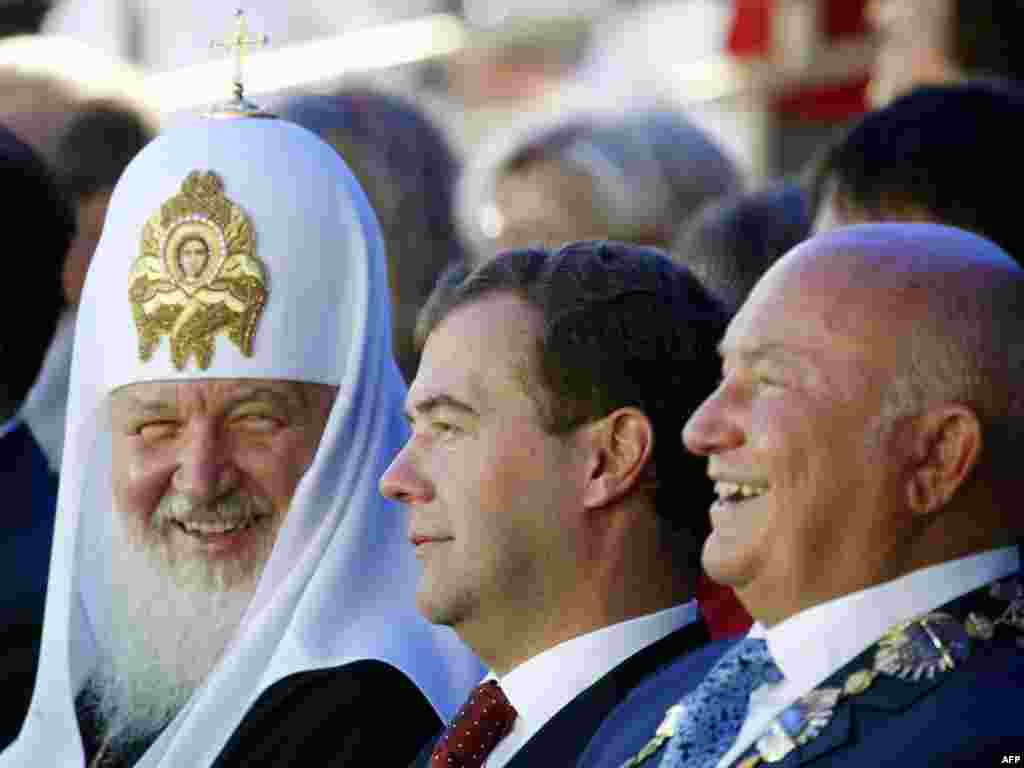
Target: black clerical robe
(366, 713)
(362, 714)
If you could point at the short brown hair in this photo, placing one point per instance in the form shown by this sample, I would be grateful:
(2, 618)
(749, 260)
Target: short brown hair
(622, 326)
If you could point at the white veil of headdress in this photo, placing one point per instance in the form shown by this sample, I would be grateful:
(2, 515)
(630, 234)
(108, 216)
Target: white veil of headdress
(340, 583)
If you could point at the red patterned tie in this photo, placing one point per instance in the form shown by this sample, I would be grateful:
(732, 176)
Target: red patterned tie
(476, 730)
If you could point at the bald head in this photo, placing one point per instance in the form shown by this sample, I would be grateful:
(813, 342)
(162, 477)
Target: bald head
(899, 254)
(944, 302)
(871, 396)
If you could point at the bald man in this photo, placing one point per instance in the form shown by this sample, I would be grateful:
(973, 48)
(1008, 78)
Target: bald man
(861, 442)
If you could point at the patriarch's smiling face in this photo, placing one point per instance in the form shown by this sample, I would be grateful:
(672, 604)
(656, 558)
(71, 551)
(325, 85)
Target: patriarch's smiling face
(203, 476)
(204, 470)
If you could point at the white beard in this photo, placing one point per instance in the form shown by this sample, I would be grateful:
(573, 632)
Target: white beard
(167, 624)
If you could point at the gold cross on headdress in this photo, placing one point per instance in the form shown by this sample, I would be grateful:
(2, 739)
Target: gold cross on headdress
(239, 44)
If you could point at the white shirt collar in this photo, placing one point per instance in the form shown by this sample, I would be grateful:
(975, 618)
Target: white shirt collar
(540, 687)
(864, 617)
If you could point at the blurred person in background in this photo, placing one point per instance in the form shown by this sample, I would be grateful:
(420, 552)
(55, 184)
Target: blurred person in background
(929, 156)
(730, 243)
(633, 178)
(44, 80)
(36, 107)
(22, 17)
(405, 165)
(96, 146)
(444, 288)
(926, 42)
(35, 207)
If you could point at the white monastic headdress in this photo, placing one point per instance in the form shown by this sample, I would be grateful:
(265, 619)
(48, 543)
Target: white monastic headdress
(290, 284)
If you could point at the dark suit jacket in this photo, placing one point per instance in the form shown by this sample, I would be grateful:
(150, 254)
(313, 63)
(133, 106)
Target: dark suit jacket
(29, 501)
(968, 716)
(362, 714)
(629, 727)
(560, 741)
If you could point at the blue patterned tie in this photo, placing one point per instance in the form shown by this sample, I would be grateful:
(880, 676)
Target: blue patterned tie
(714, 711)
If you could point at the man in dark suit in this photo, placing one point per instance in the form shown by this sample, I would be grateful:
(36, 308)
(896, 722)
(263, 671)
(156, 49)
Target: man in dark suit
(556, 516)
(36, 211)
(862, 446)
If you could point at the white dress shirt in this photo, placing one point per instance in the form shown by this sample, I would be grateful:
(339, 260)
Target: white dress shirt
(540, 687)
(813, 644)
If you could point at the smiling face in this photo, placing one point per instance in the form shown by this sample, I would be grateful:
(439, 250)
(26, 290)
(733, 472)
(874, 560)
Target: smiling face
(806, 489)
(490, 492)
(204, 471)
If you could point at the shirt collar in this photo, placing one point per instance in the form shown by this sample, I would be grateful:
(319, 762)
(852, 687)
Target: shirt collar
(876, 609)
(540, 687)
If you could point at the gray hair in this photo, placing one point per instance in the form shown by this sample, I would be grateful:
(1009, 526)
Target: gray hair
(651, 171)
(966, 344)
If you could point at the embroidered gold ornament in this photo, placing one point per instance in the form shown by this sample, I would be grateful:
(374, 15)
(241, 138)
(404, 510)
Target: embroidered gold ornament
(912, 651)
(923, 647)
(197, 275)
(798, 724)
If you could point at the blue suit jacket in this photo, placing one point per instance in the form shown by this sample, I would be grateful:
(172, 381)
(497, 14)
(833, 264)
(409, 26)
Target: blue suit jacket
(629, 727)
(967, 716)
(560, 741)
(29, 498)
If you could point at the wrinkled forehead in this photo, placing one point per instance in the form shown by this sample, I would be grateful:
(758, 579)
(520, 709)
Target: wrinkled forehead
(160, 393)
(295, 403)
(827, 302)
(483, 352)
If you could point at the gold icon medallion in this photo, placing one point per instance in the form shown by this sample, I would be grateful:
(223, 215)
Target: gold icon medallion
(197, 274)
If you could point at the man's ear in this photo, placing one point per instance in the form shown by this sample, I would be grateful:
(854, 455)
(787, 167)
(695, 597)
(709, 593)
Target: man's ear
(947, 447)
(623, 448)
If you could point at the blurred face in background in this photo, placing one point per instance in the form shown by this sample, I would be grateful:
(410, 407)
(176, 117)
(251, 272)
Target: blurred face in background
(836, 211)
(91, 212)
(541, 204)
(913, 48)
